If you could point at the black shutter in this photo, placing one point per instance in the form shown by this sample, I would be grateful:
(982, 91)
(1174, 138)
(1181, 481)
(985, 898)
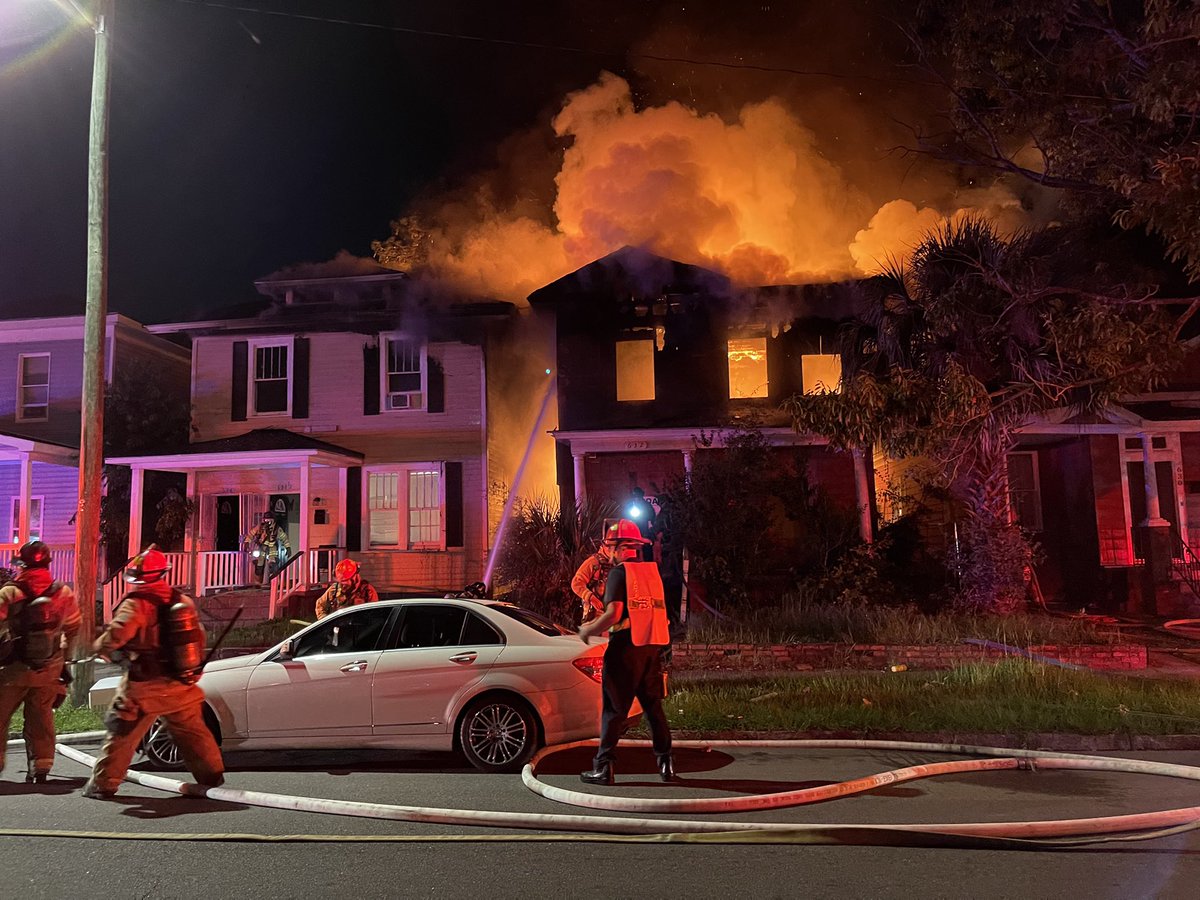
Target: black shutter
(436, 382)
(454, 504)
(370, 380)
(354, 508)
(241, 374)
(300, 378)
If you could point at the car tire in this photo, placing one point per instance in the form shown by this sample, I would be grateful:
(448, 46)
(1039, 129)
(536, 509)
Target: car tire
(498, 733)
(160, 749)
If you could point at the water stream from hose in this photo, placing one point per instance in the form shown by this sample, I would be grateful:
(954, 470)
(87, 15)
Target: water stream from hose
(498, 543)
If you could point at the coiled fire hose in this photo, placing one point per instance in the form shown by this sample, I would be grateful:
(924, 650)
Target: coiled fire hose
(1053, 834)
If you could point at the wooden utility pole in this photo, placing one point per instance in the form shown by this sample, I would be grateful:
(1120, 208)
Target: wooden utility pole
(91, 431)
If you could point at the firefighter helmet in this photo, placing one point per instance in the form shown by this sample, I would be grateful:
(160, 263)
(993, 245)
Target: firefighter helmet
(624, 532)
(33, 555)
(148, 566)
(345, 571)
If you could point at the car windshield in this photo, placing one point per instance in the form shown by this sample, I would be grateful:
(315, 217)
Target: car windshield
(540, 624)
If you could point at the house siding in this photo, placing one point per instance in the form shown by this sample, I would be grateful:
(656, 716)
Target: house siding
(66, 385)
(58, 486)
(1112, 526)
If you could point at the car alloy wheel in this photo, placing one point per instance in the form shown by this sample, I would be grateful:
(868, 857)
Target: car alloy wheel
(498, 735)
(160, 747)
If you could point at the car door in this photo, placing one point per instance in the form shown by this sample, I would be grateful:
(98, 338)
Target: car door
(434, 654)
(324, 689)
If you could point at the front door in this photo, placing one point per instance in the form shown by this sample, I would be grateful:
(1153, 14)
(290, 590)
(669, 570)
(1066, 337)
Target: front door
(324, 690)
(229, 522)
(437, 653)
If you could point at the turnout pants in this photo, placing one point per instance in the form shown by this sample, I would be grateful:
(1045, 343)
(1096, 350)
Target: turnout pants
(39, 721)
(135, 708)
(631, 672)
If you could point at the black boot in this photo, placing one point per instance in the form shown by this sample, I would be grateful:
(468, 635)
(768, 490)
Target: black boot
(600, 774)
(36, 777)
(666, 769)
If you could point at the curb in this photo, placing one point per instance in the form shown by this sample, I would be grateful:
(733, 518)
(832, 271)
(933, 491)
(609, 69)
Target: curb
(1064, 743)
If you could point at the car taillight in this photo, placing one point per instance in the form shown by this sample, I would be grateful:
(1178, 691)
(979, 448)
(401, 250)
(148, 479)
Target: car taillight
(591, 666)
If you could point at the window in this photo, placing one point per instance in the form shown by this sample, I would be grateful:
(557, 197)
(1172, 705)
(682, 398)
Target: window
(355, 632)
(404, 507)
(271, 378)
(635, 370)
(1024, 491)
(1157, 442)
(33, 387)
(442, 626)
(404, 382)
(747, 368)
(822, 372)
(424, 508)
(35, 519)
(540, 624)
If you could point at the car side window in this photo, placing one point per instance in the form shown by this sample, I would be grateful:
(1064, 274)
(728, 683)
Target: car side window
(355, 632)
(429, 626)
(478, 632)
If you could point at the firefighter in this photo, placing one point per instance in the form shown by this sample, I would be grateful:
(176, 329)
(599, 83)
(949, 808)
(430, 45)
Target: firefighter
(349, 588)
(268, 546)
(158, 629)
(589, 580)
(41, 619)
(635, 614)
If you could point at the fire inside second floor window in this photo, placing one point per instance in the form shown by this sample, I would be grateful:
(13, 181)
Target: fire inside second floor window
(748, 368)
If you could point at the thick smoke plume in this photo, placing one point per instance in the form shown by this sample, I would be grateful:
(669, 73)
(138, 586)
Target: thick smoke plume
(752, 195)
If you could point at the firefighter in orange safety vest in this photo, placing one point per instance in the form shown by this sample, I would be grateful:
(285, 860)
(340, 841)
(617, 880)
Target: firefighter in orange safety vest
(158, 628)
(635, 614)
(40, 620)
(349, 588)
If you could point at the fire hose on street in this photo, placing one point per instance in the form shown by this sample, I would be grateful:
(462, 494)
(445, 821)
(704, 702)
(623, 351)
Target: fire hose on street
(1018, 835)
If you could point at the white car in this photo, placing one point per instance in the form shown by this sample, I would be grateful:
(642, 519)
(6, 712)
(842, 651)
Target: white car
(490, 679)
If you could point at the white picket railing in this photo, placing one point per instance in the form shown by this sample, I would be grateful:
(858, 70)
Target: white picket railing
(220, 569)
(179, 575)
(304, 570)
(62, 560)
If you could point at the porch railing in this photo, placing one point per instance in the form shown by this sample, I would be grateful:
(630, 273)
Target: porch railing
(305, 569)
(62, 560)
(116, 587)
(217, 569)
(1185, 562)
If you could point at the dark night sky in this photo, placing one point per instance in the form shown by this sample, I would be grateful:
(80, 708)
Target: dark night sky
(244, 142)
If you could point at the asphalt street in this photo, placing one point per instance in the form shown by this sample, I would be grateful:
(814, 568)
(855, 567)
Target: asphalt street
(61, 867)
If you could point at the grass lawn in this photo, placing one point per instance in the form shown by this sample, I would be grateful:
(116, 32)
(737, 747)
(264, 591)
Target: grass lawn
(1007, 697)
(67, 720)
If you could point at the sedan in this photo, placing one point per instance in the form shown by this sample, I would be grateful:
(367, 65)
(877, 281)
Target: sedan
(489, 679)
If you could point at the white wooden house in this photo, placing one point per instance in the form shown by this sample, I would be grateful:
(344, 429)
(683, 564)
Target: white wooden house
(41, 378)
(351, 412)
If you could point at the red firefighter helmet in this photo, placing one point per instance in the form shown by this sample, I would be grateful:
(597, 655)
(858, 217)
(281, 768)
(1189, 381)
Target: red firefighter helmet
(33, 555)
(624, 532)
(148, 566)
(345, 571)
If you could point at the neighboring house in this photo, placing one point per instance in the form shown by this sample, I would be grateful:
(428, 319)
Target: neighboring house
(351, 412)
(41, 380)
(652, 354)
(1079, 486)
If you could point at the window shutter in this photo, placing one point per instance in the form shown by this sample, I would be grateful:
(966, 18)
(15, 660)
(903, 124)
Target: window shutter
(370, 380)
(354, 508)
(241, 373)
(300, 351)
(454, 504)
(436, 382)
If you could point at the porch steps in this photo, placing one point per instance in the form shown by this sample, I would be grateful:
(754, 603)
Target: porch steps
(255, 602)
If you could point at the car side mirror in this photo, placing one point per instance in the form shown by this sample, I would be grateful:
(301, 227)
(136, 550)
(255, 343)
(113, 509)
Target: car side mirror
(287, 649)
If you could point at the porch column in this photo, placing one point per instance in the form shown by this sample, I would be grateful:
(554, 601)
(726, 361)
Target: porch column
(862, 497)
(137, 479)
(343, 493)
(26, 488)
(1150, 479)
(580, 485)
(305, 505)
(687, 464)
(189, 531)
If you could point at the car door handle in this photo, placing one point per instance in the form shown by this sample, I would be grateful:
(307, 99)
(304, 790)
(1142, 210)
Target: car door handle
(467, 657)
(359, 665)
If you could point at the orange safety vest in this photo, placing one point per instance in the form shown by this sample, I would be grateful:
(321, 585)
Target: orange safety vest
(646, 605)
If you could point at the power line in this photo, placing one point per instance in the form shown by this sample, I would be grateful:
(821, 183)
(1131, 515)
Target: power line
(558, 48)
